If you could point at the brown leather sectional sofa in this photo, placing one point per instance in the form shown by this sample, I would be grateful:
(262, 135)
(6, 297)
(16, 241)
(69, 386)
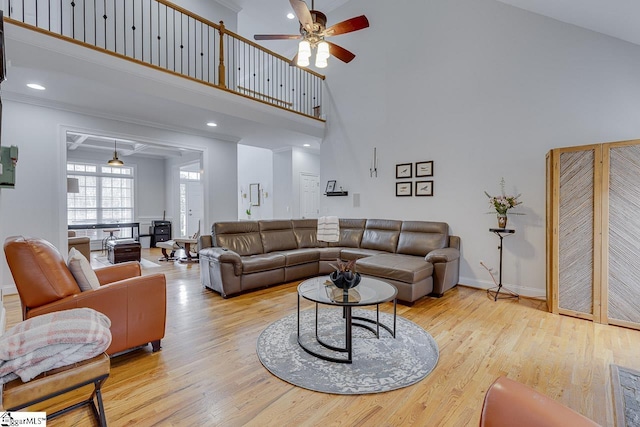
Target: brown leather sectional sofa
(418, 257)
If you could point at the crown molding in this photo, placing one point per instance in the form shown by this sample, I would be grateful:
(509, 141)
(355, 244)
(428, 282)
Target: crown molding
(230, 4)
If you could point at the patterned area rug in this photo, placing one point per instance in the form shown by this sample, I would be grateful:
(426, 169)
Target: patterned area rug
(379, 365)
(626, 396)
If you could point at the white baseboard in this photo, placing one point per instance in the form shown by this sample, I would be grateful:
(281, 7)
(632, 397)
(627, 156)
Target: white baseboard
(9, 290)
(525, 291)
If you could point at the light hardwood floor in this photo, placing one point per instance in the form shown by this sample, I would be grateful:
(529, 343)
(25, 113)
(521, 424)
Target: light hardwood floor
(208, 373)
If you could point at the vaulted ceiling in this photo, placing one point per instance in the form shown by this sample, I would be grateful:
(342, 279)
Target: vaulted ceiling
(617, 18)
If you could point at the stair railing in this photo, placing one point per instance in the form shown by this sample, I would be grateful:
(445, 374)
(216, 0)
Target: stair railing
(164, 36)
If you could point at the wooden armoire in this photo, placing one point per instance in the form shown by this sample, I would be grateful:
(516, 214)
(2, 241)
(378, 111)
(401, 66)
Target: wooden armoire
(593, 232)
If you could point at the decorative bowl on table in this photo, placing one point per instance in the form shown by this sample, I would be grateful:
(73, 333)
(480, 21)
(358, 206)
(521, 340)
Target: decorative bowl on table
(345, 280)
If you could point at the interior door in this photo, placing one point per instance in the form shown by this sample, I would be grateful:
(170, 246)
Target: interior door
(309, 195)
(195, 206)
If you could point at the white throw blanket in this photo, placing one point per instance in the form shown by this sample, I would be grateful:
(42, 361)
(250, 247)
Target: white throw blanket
(51, 341)
(328, 229)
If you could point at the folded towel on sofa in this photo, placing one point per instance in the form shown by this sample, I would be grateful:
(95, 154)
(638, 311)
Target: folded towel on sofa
(328, 229)
(52, 341)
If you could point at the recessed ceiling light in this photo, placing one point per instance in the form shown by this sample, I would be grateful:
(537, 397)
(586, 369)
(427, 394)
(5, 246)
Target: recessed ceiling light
(36, 86)
(290, 15)
(212, 124)
(306, 145)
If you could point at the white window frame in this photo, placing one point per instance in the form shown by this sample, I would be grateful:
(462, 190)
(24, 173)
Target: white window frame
(100, 172)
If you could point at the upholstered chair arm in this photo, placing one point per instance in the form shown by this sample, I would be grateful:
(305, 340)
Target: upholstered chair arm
(223, 255)
(510, 403)
(135, 306)
(442, 255)
(204, 242)
(117, 272)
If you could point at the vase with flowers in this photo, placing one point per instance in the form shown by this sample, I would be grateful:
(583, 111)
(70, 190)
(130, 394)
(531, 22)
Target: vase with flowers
(502, 204)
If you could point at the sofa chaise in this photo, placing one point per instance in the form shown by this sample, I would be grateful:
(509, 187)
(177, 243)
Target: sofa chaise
(418, 257)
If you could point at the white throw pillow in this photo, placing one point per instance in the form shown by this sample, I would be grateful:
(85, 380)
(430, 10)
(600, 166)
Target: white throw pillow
(81, 270)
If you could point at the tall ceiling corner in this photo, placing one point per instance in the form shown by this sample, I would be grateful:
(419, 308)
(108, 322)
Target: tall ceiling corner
(234, 5)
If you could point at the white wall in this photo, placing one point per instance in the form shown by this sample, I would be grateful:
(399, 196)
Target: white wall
(484, 90)
(255, 166)
(37, 205)
(211, 10)
(282, 184)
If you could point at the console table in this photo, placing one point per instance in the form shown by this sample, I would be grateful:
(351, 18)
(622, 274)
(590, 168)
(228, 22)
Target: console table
(135, 227)
(495, 291)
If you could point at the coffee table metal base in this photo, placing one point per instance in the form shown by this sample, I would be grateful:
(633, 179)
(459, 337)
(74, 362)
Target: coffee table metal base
(349, 323)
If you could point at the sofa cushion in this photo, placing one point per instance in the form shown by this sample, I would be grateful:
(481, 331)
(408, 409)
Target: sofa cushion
(421, 237)
(329, 254)
(263, 262)
(381, 235)
(351, 231)
(242, 237)
(277, 235)
(403, 268)
(356, 253)
(306, 233)
(301, 256)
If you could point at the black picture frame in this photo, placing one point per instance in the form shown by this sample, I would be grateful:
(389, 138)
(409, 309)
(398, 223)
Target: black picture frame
(404, 189)
(404, 170)
(424, 169)
(331, 186)
(424, 188)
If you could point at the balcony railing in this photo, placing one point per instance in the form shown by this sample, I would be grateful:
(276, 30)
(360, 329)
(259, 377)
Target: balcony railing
(164, 36)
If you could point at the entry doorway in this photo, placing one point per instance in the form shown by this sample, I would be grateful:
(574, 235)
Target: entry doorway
(309, 195)
(191, 199)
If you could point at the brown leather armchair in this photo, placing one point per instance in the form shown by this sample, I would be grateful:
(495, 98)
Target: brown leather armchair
(82, 244)
(135, 304)
(509, 403)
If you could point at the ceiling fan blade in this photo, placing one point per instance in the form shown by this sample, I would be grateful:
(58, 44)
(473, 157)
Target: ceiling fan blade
(277, 36)
(353, 24)
(302, 13)
(341, 53)
(294, 61)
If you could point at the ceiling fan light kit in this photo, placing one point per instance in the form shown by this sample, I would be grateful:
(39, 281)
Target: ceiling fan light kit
(313, 31)
(304, 53)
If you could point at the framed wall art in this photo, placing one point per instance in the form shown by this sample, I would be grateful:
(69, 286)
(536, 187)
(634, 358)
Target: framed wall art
(403, 188)
(424, 168)
(404, 170)
(424, 188)
(331, 186)
(254, 194)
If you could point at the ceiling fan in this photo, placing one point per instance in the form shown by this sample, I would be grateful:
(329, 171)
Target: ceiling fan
(313, 30)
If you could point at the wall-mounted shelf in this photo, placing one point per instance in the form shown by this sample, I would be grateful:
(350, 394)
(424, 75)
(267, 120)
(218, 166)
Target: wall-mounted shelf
(336, 193)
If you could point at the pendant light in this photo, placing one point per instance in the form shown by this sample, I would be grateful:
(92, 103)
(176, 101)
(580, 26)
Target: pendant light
(115, 161)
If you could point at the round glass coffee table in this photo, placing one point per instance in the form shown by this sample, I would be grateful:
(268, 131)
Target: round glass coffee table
(370, 291)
